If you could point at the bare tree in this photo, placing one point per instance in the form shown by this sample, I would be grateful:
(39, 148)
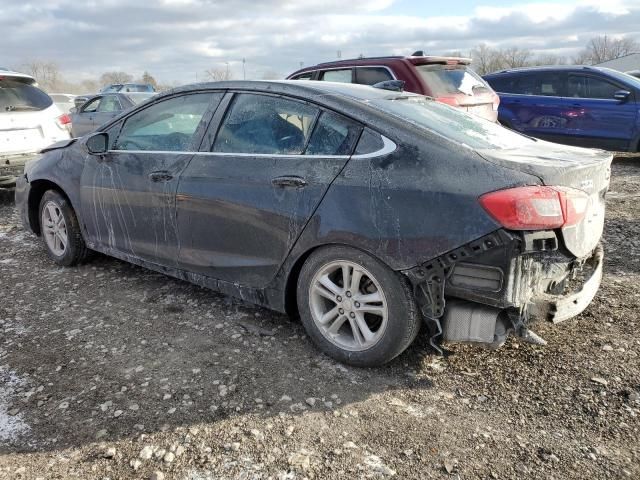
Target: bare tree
(46, 74)
(218, 74)
(115, 77)
(515, 57)
(604, 48)
(549, 59)
(486, 59)
(148, 78)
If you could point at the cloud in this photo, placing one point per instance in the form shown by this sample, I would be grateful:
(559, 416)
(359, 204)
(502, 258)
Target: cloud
(175, 39)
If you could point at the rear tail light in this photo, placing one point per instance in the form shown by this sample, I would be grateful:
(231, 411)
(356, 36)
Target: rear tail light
(536, 207)
(64, 121)
(496, 103)
(453, 101)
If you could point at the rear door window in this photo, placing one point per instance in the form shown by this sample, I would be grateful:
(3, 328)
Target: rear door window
(445, 80)
(19, 96)
(169, 125)
(372, 75)
(333, 135)
(503, 84)
(341, 76)
(547, 84)
(265, 124)
(585, 86)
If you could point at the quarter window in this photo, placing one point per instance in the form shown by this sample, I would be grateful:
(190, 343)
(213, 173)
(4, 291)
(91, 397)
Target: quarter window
(333, 135)
(369, 142)
(372, 75)
(264, 124)
(169, 125)
(341, 76)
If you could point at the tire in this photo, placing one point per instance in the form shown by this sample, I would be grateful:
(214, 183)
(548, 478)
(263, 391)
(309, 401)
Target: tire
(377, 296)
(56, 210)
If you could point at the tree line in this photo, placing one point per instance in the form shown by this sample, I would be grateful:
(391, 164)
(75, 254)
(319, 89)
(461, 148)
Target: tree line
(485, 60)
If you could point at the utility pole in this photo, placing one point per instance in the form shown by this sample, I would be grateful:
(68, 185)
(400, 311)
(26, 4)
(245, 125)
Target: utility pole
(339, 54)
(227, 74)
(244, 73)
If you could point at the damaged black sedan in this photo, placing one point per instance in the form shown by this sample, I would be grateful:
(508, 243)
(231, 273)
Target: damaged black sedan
(366, 212)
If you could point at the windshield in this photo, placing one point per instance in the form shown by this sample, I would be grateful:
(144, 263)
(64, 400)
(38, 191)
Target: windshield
(451, 123)
(624, 77)
(17, 96)
(451, 80)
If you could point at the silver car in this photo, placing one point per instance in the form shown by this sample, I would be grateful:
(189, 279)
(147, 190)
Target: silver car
(101, 108)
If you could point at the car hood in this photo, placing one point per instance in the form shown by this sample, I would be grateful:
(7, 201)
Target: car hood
(584, 169)
(60, 144)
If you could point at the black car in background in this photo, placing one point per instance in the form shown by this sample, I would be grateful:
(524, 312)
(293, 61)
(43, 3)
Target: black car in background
(365, 211)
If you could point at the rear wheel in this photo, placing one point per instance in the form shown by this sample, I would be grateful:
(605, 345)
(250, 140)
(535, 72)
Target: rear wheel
(60, 230)
(356, 309)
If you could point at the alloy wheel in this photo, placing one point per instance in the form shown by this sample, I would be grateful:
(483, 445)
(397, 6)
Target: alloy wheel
(54, 228)
(348, 305)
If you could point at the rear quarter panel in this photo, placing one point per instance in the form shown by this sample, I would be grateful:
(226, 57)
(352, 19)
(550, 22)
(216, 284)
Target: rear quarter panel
(411, 205)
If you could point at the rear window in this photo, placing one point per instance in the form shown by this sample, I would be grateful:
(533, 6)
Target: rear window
(17, 96)
(445, 80)
(451, 123)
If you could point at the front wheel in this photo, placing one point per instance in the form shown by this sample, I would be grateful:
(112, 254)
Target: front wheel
(356, 309)
(60, 230)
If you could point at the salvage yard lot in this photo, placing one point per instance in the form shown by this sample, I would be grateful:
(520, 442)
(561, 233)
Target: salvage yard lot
(105, 365)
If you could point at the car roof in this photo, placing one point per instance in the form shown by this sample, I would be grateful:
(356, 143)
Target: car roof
(546, 68)
(303, 88)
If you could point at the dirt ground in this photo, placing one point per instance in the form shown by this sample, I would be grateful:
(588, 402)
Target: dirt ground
(110, 371)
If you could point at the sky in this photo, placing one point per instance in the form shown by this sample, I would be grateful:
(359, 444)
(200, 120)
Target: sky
(177, 40)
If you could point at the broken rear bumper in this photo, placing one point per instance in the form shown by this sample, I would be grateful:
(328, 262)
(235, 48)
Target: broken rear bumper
(502, 282)
(558, 308)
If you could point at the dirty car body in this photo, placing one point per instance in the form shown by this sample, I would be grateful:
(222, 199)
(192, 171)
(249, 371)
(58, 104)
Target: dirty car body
(488, 229)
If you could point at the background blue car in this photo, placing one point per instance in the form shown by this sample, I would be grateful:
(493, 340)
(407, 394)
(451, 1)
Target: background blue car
(574, 105)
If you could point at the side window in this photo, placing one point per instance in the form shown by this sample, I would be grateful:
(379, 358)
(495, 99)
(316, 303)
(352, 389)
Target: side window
(92, 106)
(109, 103)
(583, 86)
(169, 125)
(548, 84)
(333, 135)
(369, 142)
(265, 124)
(372, 75)
(303, 76)
(503, 84)
(342, 76)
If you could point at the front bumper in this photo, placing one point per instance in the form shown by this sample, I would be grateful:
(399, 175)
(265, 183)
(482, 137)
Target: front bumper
(23, 189)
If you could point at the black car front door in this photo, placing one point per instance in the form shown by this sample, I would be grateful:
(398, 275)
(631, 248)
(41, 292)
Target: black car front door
(243, 202)
(128, 194)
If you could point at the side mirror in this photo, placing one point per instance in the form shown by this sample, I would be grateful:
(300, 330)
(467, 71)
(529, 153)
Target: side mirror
(98, 143)
(622, 95)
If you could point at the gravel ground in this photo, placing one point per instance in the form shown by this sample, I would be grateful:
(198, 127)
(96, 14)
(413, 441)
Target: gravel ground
(112, 371)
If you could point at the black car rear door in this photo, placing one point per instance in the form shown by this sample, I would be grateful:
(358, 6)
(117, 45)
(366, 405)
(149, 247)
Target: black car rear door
(128, 194)
(246, 196)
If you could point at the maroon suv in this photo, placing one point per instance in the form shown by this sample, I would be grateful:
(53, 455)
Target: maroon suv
(447, 79)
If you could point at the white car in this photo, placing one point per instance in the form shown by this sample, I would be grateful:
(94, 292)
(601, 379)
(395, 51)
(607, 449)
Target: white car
(29, 122)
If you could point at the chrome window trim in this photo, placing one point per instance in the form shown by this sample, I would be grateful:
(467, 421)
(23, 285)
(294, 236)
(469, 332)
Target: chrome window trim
(388, 147)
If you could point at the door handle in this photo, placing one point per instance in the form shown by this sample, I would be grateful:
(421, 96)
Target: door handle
(289, 181)
(160, 176)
